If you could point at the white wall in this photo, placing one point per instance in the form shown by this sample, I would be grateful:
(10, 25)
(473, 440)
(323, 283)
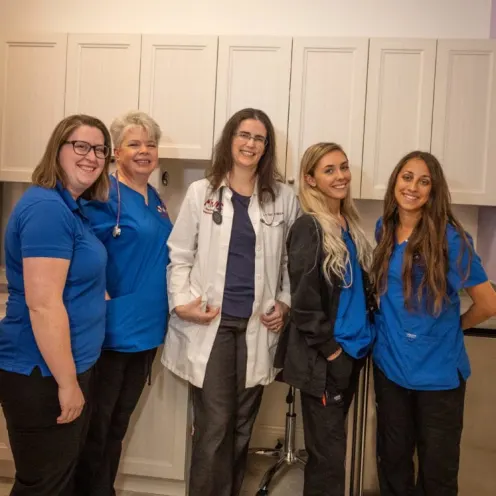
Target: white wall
(402, 18)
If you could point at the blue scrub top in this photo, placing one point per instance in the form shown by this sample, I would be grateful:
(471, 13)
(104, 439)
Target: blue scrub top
(352, 328)
(136, 269)
(414, 348)
(49, 223)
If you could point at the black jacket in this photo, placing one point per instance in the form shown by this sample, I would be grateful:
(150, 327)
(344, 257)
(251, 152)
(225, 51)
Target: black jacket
(308, 338)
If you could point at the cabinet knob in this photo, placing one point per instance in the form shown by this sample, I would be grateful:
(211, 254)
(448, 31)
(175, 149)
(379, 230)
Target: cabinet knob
(291, 180)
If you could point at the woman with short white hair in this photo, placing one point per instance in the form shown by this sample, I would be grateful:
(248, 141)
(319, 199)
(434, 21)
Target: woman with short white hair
(134, 227)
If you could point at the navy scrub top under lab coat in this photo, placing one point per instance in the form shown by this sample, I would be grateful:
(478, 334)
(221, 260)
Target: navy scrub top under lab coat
(48, 223)
(352, 328)
(136, 269)
(414, 348)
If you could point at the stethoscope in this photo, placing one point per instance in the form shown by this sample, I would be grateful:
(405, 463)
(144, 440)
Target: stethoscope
(116, 231)
(217, 214)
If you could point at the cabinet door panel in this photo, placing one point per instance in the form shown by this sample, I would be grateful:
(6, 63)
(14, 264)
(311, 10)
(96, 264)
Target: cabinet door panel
(32, 87)
(178, 89)
(464, 121)
(399, 107)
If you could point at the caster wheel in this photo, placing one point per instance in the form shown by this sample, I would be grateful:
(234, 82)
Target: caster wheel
(262, 492)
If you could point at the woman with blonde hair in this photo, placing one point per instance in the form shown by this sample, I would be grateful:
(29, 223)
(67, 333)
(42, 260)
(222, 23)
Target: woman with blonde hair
(329, 331)
(54, 328)
(134, 227)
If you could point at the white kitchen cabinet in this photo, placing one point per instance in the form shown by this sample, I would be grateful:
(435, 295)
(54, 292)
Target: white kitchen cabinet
(177, 89)
(102, 75)
(398, 116)
(254, 71)
(328, 86)
(464, 119)
(32, 87)
(157, 438)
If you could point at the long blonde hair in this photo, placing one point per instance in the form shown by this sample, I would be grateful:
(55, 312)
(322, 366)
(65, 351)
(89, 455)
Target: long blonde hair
(313, 202)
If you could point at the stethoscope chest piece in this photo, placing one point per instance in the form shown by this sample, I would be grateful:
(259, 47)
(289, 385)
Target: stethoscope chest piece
(217, 217)
(116, 231)
(217, 213)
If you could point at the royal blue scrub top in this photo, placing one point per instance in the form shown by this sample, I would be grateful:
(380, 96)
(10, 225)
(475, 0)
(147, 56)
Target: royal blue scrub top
(352, 328)
(414, 348)
(49, 223)
(136, 269)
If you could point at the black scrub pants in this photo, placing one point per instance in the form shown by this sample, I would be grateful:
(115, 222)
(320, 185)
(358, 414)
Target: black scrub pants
(432, 422)
(224, 414)
(119, 382)
(45, 453)
(324, 426)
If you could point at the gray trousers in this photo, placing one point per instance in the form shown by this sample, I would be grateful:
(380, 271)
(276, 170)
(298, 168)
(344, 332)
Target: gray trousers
(224, 414)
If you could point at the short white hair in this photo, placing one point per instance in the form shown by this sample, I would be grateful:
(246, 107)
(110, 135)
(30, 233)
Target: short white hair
(121, 125)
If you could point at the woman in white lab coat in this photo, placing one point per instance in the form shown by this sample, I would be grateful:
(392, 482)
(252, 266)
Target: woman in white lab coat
(229, 294)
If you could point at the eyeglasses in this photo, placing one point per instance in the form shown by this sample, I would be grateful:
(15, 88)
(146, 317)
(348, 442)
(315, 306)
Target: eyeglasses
(257, 139)
(83, 148)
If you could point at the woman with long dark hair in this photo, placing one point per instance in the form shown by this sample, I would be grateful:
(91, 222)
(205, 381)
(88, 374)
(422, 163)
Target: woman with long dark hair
(229, 293)
(422, 260)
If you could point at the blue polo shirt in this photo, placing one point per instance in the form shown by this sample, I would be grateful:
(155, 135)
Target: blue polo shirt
(414, 348)
(352, 328)
(49, 223)
(137, 263)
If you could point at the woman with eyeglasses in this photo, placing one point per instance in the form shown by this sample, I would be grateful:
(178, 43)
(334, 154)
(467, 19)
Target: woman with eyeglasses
(134, 227)
(229, 294)
(54, 327)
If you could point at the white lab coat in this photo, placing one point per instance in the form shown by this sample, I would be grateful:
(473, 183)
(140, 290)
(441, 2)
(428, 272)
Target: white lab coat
(198, 250)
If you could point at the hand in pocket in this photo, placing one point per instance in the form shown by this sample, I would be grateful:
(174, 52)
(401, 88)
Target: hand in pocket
(339, 373)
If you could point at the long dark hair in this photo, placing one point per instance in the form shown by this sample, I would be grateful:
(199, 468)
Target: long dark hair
(427, 245)
(222, 161)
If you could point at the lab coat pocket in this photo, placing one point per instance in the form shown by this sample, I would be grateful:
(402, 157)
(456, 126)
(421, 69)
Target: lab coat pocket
(187, 331)
(272, 341)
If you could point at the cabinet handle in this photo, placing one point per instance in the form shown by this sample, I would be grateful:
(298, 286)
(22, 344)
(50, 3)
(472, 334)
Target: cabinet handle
(291, 180)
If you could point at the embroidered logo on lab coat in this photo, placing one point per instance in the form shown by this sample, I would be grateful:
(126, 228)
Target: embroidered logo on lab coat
(209, 206)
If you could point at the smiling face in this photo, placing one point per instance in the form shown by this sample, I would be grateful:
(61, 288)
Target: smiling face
(413, 186)
(137, 154)
(248, 144)
(331, 176)
(81, 171)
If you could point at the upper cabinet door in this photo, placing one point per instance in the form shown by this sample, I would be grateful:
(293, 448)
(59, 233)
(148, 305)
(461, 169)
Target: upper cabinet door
(254, 72)
(398, 118)
(464, 127)
(102, 75)
(32, 87)
(178, 90)
(328, 86)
